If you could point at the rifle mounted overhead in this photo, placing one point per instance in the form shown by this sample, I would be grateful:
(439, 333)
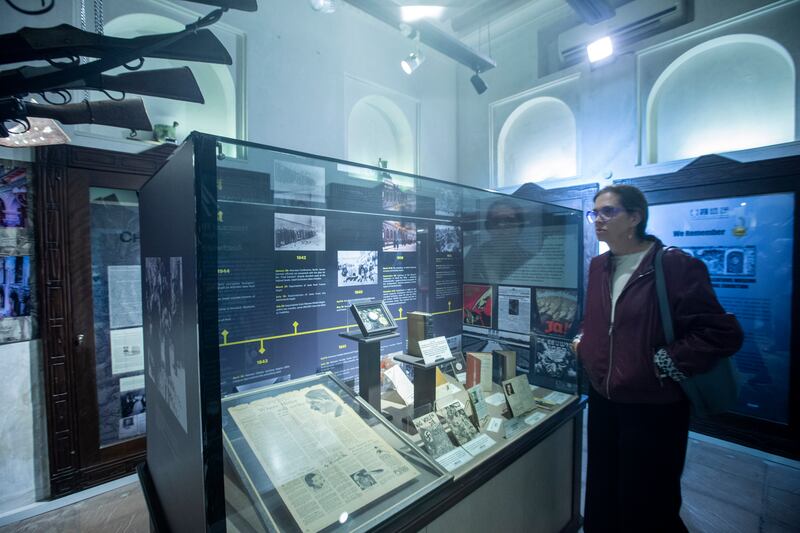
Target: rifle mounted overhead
(129, 113)
(173, 83)
(67, 42)
(29, 44)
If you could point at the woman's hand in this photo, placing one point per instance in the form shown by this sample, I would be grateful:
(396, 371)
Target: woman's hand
(574, 344)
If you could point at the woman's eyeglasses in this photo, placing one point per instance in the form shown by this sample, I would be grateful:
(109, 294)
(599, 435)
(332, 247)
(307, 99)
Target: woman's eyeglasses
(604, 213)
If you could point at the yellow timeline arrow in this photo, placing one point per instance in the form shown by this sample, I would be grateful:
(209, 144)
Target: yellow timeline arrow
(261, 349)
(449, 305)
(219, 216)
(224, 336)
(400, 310)
(295, 324)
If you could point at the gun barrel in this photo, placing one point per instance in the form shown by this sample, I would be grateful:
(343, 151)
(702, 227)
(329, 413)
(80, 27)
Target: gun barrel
(129, 113)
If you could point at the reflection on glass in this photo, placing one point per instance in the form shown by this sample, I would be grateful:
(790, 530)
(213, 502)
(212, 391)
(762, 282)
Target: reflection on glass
(117, 304)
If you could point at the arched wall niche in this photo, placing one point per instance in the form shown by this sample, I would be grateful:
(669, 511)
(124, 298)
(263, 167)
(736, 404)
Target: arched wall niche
(538, 141)
(219, 113)
(378, 128)
(729, 93)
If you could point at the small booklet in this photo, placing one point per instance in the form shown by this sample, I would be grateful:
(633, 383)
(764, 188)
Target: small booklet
(433, 435)
(462, 428)
(519, 395)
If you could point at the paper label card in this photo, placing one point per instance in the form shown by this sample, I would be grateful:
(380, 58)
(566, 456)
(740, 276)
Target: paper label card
(435, 350)
(557, 398)
(479, 444)
(535, 418)
(453, 459)
(496, 399)
(494, 424)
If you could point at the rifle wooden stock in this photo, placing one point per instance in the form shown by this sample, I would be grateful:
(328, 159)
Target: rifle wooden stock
(128, 114)
(241, 5)
(173, 83)
(29, 44)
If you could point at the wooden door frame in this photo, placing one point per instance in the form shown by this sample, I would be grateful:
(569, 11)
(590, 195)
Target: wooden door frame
(76, 462)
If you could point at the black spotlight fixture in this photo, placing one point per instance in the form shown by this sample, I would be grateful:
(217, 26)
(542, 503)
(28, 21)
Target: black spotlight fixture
(478, 83)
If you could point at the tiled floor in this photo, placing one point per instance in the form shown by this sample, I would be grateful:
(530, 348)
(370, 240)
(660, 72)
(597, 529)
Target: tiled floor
(731, 490)
(118, 511)
(725, 490)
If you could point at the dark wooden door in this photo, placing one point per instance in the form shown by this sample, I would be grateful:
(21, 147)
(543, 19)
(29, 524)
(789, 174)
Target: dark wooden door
(91, 312)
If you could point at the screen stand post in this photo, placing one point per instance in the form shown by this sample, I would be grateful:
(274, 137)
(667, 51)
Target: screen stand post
(369, 366)
(424, 381)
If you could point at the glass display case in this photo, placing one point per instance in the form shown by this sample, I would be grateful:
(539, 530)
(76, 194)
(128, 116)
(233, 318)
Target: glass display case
(272, 406)
(310, 454)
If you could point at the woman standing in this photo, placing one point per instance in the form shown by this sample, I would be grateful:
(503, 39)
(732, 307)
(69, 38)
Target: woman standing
(638, 415)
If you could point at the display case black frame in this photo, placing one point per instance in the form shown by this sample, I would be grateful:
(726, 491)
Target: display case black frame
(380, 307)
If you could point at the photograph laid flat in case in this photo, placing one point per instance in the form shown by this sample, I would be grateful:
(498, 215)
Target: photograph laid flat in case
(320, 455)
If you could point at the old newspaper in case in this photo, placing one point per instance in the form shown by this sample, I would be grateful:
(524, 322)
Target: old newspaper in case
(319, 454)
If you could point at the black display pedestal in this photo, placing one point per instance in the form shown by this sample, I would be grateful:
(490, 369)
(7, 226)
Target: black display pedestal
(424, 380)
(369, 365)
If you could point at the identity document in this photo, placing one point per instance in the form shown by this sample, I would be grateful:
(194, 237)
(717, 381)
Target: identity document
(320, 455)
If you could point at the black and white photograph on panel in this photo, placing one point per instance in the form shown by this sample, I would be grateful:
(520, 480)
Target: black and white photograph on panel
(132, 407)
(399, 236)
(356, 267)
(299, 232)
(164, 321)
(132, 402)
(298, 184)
(726, 260)
(399, 194)
(448, 202)
(448, 239)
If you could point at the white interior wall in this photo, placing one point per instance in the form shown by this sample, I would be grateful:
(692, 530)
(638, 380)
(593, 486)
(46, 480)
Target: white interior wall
(605, 99)
(295, 65)
(23, 427)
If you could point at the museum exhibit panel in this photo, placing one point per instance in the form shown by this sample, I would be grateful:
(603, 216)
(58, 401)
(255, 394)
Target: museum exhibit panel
(742, 224)
(334, 345)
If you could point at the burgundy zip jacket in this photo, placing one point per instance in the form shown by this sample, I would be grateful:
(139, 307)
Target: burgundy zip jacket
(618, 357)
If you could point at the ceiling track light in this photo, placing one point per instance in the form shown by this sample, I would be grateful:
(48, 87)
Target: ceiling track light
(478, 83)
(414, 59)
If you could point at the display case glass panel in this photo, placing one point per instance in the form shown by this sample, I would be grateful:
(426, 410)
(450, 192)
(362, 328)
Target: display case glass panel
(312, 455)
(284, 244)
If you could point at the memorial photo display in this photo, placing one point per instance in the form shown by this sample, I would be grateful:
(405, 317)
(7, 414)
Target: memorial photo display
(746, 243)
